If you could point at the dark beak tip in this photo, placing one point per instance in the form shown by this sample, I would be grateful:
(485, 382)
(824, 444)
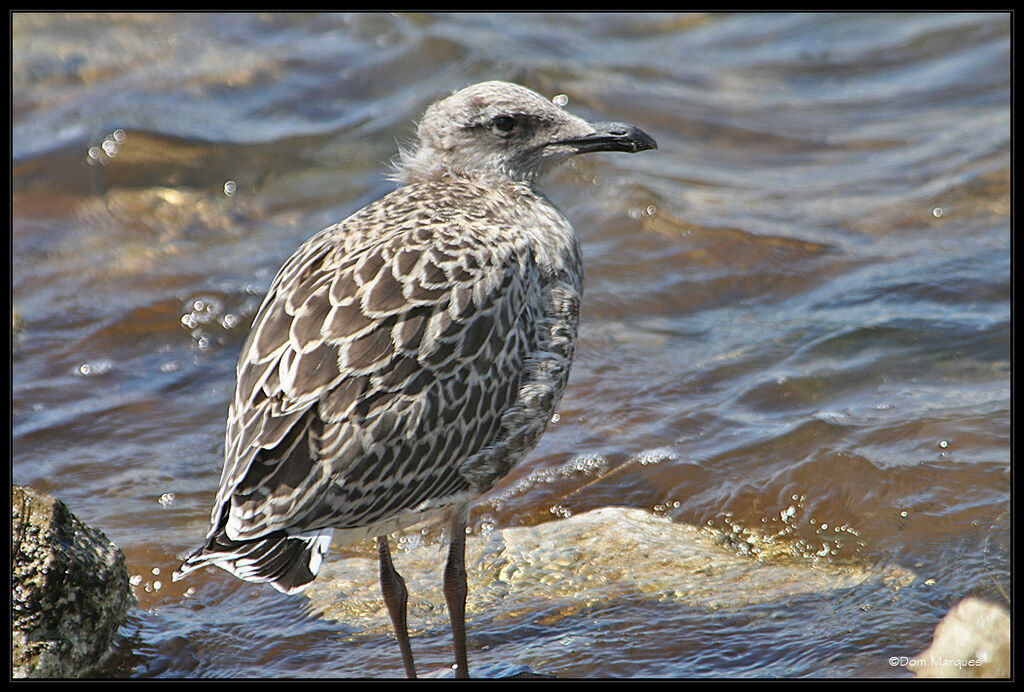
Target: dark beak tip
(630, 138)
(641, 140)
(644, 142)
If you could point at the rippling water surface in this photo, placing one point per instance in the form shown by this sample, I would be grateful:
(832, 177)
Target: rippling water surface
(796, 327)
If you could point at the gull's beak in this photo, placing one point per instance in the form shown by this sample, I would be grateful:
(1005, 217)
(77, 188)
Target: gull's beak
(613, 137)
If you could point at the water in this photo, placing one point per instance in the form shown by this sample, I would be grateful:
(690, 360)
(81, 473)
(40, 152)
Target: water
(796, 326)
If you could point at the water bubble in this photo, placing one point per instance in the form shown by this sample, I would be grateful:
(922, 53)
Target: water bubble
(108, 148)
(229, 188)
(584, 463)
(409, 541)
(486, 525)
(111, 145)
(560, 100)
(561, 511)
(99, 367)
(656, 456)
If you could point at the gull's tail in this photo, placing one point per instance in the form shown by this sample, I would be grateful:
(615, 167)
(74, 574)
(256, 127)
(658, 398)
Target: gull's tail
(288, 562)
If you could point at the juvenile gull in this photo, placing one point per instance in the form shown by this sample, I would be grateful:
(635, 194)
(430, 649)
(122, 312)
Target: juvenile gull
(405, 359)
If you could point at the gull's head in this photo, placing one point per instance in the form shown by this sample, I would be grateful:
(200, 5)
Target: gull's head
(506, 129)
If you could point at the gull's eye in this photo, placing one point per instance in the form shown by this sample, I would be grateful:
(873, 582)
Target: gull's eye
(503, 124)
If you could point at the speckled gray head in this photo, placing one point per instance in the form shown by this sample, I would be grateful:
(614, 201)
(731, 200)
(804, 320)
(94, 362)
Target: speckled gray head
(504, 128)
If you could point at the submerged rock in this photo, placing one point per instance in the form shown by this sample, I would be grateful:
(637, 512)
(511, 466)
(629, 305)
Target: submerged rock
(69, 589)
(563, 567)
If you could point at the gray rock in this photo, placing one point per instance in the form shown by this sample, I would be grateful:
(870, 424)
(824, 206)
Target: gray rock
(69, 589)
(562, 567)
(972, 641)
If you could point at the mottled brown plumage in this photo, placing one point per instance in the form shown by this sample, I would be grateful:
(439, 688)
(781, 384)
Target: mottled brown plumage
(405, 359)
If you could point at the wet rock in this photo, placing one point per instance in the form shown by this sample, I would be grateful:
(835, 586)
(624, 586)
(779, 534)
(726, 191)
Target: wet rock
(562, 567)
(972, 641)
(69, 589)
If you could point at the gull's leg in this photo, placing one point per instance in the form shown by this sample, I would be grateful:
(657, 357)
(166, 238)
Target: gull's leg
(392, 587)
(455, 590)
